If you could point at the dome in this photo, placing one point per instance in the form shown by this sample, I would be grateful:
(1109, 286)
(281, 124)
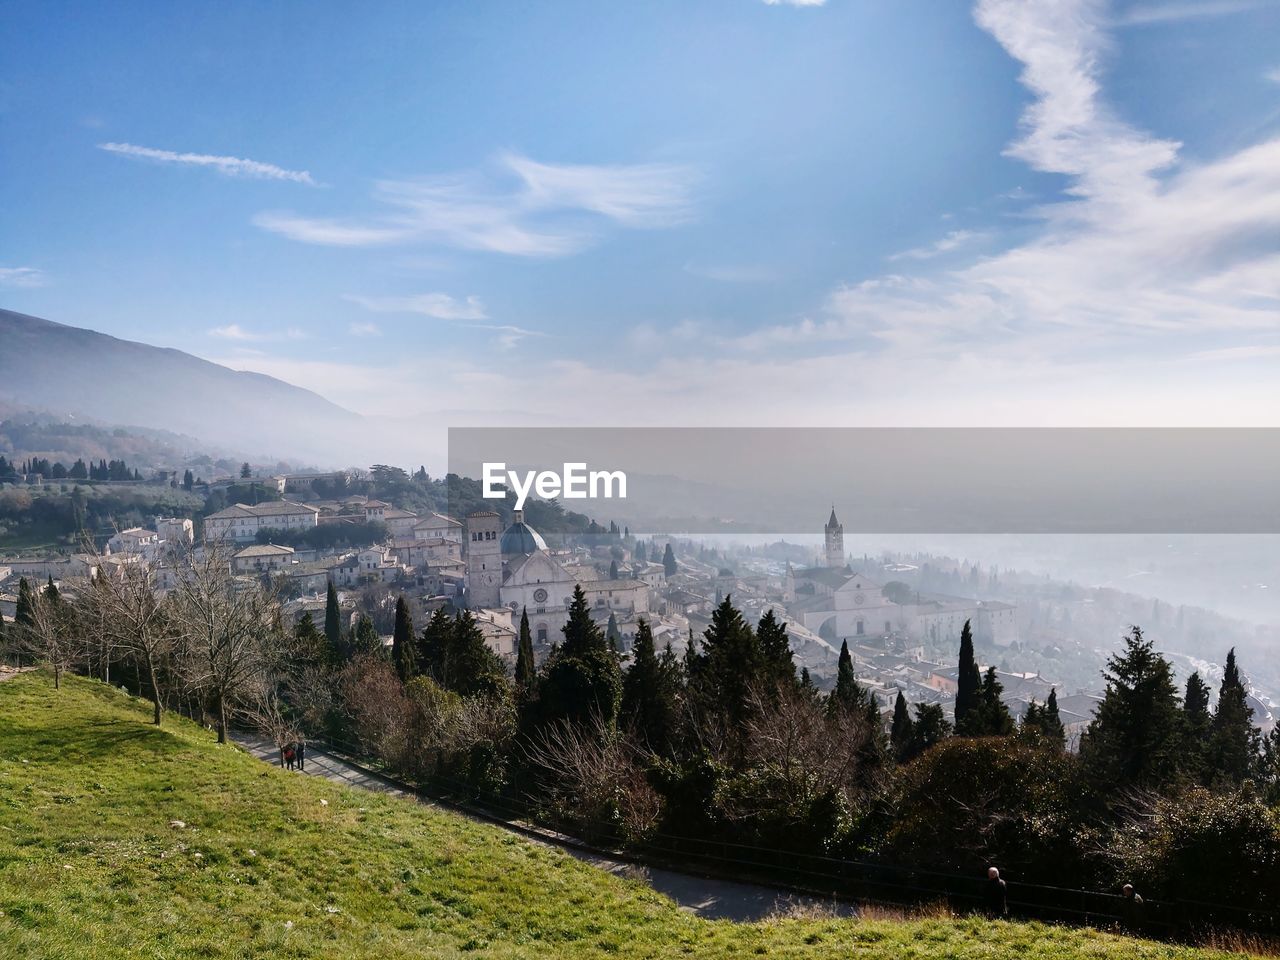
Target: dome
(520, 538)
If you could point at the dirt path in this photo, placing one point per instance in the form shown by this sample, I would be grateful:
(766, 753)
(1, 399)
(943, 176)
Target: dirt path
(704, 896)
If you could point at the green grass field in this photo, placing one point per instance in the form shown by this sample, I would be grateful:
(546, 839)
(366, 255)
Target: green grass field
(272, 864)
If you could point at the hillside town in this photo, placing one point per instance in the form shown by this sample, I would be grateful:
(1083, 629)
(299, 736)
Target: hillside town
(895, 634)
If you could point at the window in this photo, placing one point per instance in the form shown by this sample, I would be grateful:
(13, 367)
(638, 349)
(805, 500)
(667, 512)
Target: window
(861, 628)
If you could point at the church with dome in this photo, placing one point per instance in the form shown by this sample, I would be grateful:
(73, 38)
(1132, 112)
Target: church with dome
(511, 569)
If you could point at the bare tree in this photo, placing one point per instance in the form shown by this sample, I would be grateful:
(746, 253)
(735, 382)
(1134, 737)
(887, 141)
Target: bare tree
(228, 635)
(122, 609)
(53, 637)
(595, 777)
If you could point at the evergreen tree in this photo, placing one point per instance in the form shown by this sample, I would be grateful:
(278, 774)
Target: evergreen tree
(806, 681)
(726, 671)
(993, 716)
(640, 555)
(333, 626)
(968, 688)
(1054, 732)
(365, 639)
(613, 569)
(24, 618)
(612, 633)
(650, 693)
(778, 666)
(1136, 737)
(929, 727)
(309, 644)
(188, 481)
(525, 672)
(582, 675)
(669, 561)
(849, 694)
(902, 732)
(1197, 720)
(434, 644)
(245, 471)
(403, 647)
(1233, 739)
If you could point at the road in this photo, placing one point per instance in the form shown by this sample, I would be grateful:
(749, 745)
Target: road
(705, 896)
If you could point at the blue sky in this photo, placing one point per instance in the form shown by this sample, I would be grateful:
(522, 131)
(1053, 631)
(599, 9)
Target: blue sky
(727, 211)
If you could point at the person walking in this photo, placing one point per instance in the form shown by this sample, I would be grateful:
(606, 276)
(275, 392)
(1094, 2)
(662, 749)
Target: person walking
(302, 754)
(995, 895)
(1132, 908)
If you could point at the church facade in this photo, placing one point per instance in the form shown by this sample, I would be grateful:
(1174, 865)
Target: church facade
(837, 603)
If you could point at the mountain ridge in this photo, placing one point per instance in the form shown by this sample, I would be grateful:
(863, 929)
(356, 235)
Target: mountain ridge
(86, 373)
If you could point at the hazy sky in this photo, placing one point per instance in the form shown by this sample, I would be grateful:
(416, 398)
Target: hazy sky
(858, 212)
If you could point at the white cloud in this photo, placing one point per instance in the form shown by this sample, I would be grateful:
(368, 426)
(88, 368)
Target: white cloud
(541, 210)
(1144, 258)
(1172, 12)
(952, 241)
(228, 166)
(795, 3)
(440, 306)
(22, 277)
(364, 330)
(1272, 75)
(233, 331)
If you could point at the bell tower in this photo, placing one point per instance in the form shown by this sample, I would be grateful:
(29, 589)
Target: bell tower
(833, 534)
(484, 559)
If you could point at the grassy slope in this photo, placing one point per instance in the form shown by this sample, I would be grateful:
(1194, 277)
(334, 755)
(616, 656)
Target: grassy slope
(89, 865)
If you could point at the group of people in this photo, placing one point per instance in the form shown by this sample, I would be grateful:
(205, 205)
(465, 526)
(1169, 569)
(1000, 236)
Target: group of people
(293, 755)
(995, 900)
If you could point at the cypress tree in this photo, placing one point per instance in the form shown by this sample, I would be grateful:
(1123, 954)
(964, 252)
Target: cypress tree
(902, 732)
(403, 652)
(1054, 731)
(669, 561)
(24, 617)
(333, 626)
(849, 694)
(524, 654)
(612, 633)
(1233, 740)
(613, 569)
(968, 687)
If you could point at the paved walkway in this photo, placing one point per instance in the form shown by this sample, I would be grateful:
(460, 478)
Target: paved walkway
(704, 896)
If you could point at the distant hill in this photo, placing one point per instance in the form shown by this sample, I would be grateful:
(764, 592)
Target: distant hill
(83, 373)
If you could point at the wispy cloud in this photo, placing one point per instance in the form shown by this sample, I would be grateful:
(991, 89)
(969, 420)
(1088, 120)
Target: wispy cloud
(1142, 255)
(365, 329)
(227, 166)
(440, 306)
(1272, 75)
(522, 208)
(795, 3)
(22, 277)
(233, 331)
(1171, 11)
(952, 241)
